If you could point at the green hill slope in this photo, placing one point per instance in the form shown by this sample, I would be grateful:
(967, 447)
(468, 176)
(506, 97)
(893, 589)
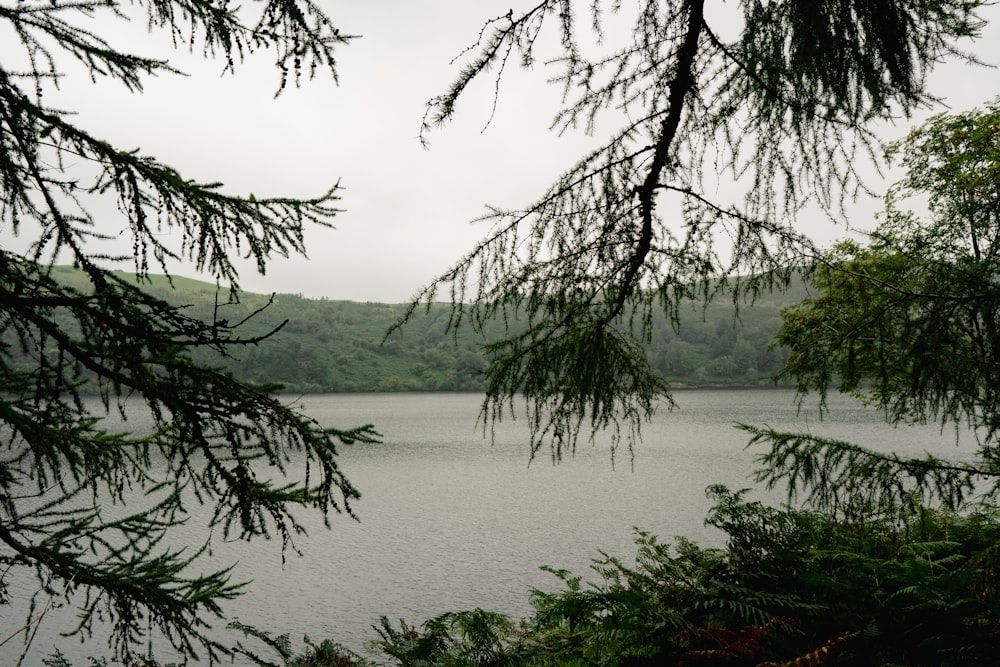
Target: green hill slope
(328, 346)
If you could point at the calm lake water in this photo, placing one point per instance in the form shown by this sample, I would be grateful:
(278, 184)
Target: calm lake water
(449, 521)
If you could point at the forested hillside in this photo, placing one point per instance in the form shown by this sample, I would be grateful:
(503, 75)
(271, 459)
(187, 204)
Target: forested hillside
(325, 345)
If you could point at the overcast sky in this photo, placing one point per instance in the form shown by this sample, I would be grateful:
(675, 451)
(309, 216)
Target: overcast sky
(407, 209)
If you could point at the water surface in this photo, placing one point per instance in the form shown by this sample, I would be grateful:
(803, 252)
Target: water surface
(449, 520)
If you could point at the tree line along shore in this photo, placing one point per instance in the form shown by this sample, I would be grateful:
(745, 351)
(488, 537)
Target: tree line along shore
(325, 345)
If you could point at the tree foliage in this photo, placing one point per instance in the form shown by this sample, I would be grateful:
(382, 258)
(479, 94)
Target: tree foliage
(909, 323)
(726, 140)
(84, 506)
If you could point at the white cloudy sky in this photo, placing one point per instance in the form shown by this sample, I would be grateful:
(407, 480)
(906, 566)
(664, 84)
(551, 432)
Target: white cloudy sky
(407, 209)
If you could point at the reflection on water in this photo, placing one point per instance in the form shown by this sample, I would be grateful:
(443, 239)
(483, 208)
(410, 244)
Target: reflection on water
(449, 521)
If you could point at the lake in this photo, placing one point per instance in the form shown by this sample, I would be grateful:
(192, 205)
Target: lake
(449, 521)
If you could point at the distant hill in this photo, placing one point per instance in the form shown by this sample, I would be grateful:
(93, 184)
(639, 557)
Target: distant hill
(335, 346)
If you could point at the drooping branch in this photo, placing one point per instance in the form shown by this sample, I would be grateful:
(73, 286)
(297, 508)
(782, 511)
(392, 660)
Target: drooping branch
(680, 87)
(214, 439)
(834, 475)
(583, 269)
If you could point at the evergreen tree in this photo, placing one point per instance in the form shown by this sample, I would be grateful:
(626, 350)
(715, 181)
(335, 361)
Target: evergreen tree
(780, 115)
(908, 322)
(88, 509)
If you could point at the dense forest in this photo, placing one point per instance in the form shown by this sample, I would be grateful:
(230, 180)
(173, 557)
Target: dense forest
(322, 345)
